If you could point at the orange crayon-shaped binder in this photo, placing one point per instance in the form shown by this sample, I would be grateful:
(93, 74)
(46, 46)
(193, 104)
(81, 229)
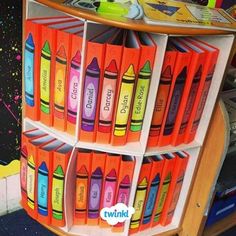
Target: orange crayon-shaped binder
(175, 187)
(92, 80)
(147, 55)
(126, 85)
(95, 187)
(166, 179)
(112, 62)
(204, 86)
(153, 189)
(61, 158)
(190, 89)
(178, 85)
(63, 53)
(32, 170)
(83, 169)
(127, 166)
(110, 183)
(31, 74)
(44, 175)
(162, 95)
(140, 195)
(25, 138)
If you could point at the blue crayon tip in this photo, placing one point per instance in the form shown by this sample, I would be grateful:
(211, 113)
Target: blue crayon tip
(43, 167)
(156, 179)
(30, 40)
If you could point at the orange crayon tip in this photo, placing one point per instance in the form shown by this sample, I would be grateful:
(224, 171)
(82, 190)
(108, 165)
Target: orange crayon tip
(61, 52)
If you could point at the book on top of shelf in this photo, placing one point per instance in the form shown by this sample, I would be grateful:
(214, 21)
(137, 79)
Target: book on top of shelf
(179, 14)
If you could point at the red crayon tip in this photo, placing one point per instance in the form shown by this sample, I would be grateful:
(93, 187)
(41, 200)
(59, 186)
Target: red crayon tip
(125, 180)
(167, 72)
(61, 52)
(77, 57)
(112, 173)
(112, 67)
(83, 170)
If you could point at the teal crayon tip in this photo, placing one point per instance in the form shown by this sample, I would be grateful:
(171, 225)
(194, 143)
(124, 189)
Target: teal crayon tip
(46, 47)
(30, 40)
(147, 67)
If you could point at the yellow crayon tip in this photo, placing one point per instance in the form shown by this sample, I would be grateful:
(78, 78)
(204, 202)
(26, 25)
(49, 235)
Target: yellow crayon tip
(31, 160)
(143, 182)
(130, 71)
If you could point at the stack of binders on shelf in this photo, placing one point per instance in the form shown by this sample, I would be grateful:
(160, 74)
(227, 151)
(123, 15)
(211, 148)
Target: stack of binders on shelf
(102, 180)
(101, 94)
(44, 161)
(159, 185)
(183, 89)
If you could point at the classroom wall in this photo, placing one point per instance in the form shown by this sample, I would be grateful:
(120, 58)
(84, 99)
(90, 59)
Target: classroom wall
(10, 103)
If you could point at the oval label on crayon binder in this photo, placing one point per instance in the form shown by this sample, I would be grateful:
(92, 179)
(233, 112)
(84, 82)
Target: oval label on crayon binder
(107, 102)
(59, 85)
(73, 92)
(95, 193)
(108, 196)
(89, 100)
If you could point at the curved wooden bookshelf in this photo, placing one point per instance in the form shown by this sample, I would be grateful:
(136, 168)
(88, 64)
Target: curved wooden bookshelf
(138, 25)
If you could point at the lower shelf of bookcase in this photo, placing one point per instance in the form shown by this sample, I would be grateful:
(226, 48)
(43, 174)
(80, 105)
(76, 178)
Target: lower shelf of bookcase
(221, 226)
(169, 230)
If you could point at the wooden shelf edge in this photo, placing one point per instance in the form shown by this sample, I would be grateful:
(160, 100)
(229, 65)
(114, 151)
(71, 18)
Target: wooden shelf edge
(60, 232)
(138, 25)
(221, 226)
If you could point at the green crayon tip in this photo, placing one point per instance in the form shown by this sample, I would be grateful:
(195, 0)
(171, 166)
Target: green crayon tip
(59, 171)
(147, 67)
(46, 47)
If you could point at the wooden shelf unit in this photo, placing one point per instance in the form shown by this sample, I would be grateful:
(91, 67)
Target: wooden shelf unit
(197, 148)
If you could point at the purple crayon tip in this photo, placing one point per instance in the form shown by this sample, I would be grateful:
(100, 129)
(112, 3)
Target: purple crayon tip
(94, 65)
(97, 172)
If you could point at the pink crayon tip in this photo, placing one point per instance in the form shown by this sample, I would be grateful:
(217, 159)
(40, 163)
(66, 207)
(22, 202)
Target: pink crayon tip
(112, 174)
(125, 180)
(61, 52)
(77, 57)
(112, 66)
(83, 170)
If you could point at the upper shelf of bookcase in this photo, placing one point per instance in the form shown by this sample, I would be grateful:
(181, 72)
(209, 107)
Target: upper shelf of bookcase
(138, 25)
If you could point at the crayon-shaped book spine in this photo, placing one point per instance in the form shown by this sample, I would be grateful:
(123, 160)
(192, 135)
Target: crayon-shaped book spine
(74, 83)
(31, 65)
(162, 97)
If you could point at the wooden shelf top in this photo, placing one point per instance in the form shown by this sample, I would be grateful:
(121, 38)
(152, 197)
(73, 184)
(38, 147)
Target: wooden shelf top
(138, 25)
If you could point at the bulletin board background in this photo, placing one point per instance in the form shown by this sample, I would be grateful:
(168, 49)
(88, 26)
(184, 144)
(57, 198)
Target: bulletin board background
(10, 85)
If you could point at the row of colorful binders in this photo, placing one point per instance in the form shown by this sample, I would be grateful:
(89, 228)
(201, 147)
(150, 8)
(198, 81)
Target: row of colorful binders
(44, 161)
(101, 180)
(115, 75)
(105, 179)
